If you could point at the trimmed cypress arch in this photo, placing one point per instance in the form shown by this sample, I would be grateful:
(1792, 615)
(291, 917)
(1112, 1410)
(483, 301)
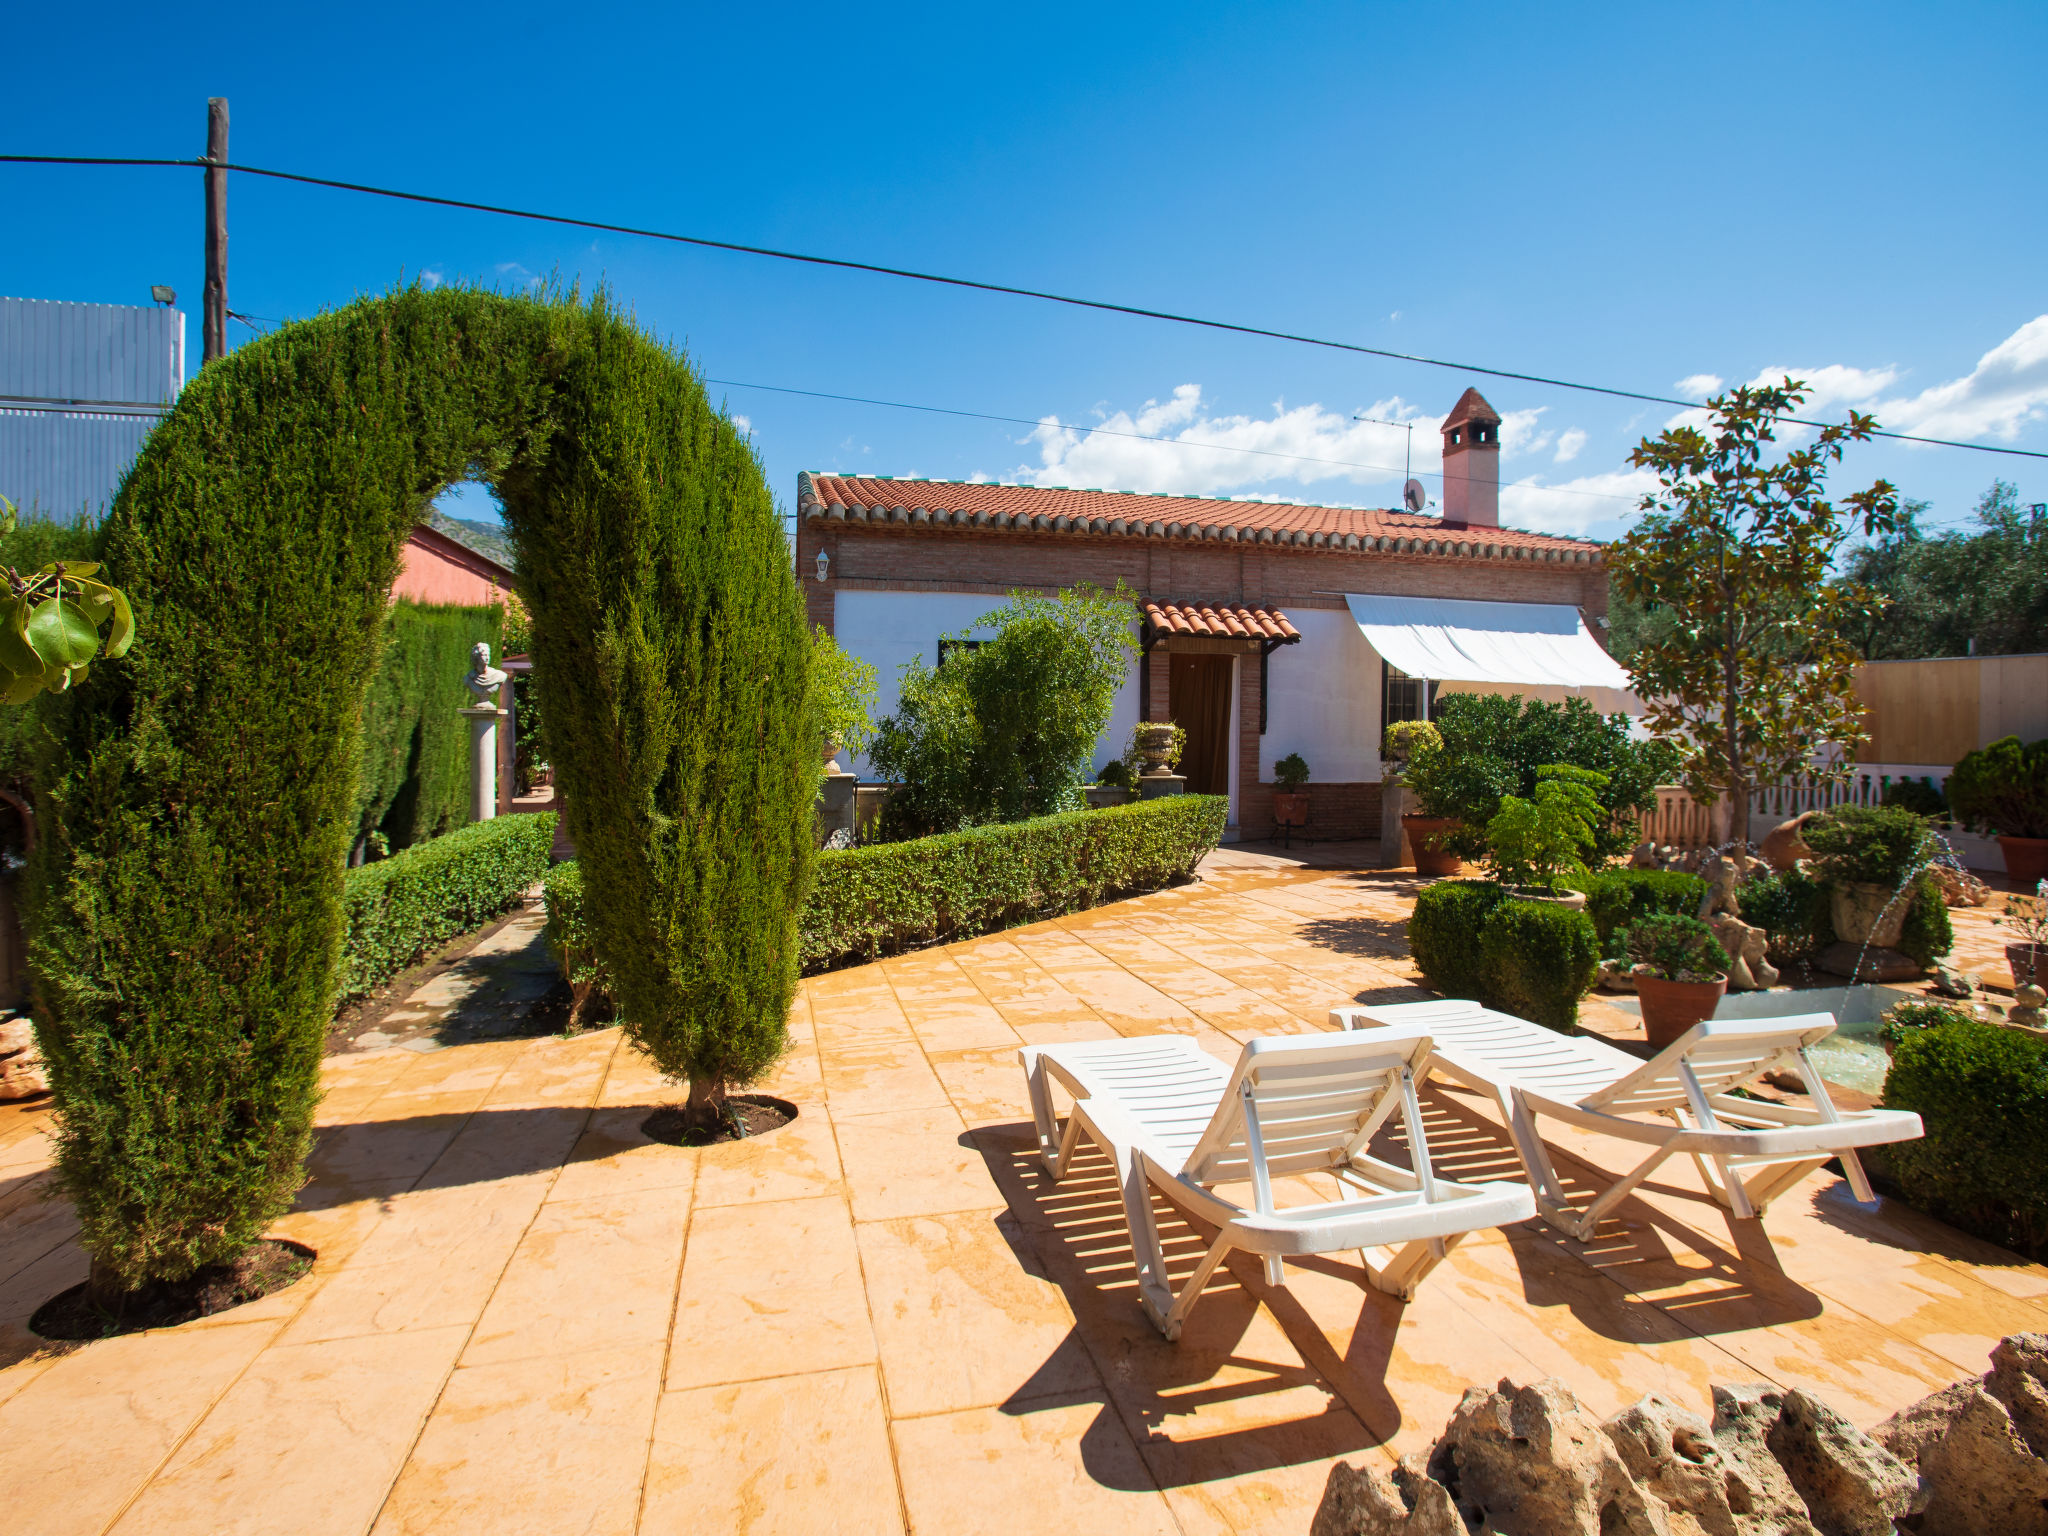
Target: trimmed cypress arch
(196, 798)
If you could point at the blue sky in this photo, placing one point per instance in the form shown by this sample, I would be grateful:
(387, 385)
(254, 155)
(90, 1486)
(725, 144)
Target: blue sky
(1632, 195)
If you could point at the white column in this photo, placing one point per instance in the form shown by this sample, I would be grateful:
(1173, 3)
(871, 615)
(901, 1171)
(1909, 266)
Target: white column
(483, 760)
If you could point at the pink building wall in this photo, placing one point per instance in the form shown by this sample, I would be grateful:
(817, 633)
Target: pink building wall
(436, 569)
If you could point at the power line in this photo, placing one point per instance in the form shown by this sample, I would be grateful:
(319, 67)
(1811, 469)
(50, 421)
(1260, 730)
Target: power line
(911, 274)
(1142, 437)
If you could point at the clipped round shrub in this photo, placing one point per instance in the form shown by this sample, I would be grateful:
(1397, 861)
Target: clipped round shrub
(198, 796)
(1443, 933)
(1537, 960)
(2003, 788)
(1981, 1091)
(1677, 948)
(1291, 772)
(1868, 844)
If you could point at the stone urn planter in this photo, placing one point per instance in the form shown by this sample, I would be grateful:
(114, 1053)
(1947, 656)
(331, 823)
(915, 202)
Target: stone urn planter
(1422, 834)
(1869, 914)
(2026, 859)
(1670, 1008)
(1290, 807)
(1155, 745)
(2029, 963)
(1574, 900)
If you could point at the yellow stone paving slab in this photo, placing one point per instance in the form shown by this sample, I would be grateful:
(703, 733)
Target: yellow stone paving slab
(787, 1456)
(913, 1162)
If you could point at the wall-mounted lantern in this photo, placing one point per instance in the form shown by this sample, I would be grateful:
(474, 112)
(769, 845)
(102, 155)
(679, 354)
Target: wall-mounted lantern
(824, 565)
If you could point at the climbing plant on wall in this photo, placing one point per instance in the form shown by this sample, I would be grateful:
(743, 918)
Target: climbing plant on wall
(197, 798)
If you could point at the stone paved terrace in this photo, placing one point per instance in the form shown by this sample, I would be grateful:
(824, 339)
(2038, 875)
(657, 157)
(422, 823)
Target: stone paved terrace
(526, 1317)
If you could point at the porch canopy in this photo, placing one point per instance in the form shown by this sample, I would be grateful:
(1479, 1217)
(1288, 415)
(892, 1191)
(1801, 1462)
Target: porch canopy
(1469, 641)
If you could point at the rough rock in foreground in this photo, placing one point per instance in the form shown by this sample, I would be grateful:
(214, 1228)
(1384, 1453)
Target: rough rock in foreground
(1531, 1461)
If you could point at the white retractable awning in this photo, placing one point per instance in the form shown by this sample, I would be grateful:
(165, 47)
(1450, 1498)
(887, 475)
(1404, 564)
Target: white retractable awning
(1468, 641)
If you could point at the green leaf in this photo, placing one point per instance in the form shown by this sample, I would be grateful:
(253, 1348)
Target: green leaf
(62, 634)
(21, 689)
(122, 635)
(16, 654)
(79, 567)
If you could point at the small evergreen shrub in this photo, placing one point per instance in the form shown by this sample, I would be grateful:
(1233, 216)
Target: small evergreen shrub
(2003, 788)
(1902, 1019)
(1792, 909)
(1981, 1090)
(1616, 898)
(1403, 739)
(1927, 933)
(401, 908)
(1537, 960)
(1676, 947)
(1443, 933)
(1868, 844)
(933, 890)
(1922, 796)
(1534, 959)
(1540, 843)
(1290, 773)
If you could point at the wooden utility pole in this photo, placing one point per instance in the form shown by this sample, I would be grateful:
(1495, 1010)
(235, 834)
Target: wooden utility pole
(215, 322)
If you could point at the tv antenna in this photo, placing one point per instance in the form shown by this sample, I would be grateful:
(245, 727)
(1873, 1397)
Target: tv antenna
(1413, 497)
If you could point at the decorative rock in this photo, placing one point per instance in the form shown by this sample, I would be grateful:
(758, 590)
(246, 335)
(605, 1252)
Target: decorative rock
(1783, 846)
(1866, 964)
(1529, 1461)
(1674, 1455)
(22, 1074)
(1743, 1419)
(1851, 1484)
(1749, 969)
(1978, 1473)
(1960, 888)
(1361, 1502)
(2019, 1380)
(1616, 976)
(1949, 982)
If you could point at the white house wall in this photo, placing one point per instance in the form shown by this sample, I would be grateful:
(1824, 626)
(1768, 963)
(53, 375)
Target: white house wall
(1324, 700)
(888, 629)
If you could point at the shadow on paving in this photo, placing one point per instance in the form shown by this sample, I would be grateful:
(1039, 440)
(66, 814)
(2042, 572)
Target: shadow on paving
(1369, 938)
(380, 1159)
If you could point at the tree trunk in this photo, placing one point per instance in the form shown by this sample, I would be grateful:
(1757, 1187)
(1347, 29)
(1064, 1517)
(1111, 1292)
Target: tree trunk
(706, 1108)
(105, 1290)
(1738, 770)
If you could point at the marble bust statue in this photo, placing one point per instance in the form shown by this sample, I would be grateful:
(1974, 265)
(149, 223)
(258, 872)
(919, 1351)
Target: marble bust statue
(483, 679)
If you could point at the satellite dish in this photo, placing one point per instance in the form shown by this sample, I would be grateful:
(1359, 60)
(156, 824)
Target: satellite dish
(1413, 497)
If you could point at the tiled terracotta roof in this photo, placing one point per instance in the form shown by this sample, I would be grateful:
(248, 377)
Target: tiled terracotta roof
(951, 504)
(1225, 620)
(1471, 406)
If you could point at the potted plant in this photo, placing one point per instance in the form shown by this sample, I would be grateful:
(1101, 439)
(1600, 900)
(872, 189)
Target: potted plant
(1112, 786)
(1903, 1019)
(1680, 971)
(2027, 916)
(2003, 789)
(1869, 856)
(1156, 743)
(1534, 845)
(1290, 799)
(1424, 775)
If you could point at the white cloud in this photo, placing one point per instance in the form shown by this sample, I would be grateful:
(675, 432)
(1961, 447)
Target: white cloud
(518, 274)
(1574, 506)
(1568, 445)
(1209, 455)
(743, 423)
(433, 277)
(1518, 434)
(2006, 392)
(1699, 385)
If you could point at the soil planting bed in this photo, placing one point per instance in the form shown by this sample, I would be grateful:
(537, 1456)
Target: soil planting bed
(747, 1115)
(269, 1265)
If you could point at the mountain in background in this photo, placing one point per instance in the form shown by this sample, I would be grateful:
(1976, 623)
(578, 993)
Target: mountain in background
(487, 539)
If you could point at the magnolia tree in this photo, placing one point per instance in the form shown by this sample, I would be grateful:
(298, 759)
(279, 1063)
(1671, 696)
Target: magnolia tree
(1749, 668)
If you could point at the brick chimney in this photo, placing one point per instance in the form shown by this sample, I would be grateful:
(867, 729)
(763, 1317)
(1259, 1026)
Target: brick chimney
(1472, 462)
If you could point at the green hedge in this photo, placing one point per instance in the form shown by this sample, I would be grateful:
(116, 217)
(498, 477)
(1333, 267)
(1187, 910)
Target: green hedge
(1616, 898)
(1792, 908)
(1927, 933)
(1982, 1091)
(931, 890)
(1533, 959)
(400, 908)
(415, 776)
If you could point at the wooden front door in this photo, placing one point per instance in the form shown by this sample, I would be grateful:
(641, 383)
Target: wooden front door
(1199, 700)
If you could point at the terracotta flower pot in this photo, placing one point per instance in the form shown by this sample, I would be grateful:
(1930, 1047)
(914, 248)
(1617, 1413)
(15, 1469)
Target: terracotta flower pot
(1869, 914)
(2026, 858)
(2029, 962)
(1290, 807)
(1670, 1008)
(1422, 834)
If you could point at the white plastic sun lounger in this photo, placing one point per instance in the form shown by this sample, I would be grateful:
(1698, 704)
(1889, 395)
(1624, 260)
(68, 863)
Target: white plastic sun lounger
(1173, 1118)
(1681, 1100)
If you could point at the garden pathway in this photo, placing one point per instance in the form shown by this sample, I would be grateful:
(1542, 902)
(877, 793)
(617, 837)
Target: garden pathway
(526, 1317)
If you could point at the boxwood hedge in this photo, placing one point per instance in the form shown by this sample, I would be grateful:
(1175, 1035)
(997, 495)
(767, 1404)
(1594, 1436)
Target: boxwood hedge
(1533, 959)
(874, 901)
(1981, 1090)
(401, 907)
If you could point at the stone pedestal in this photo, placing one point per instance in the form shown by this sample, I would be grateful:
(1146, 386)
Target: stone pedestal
(483, 760)
(1394, 851)
(834, 817)
(1151, 786)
